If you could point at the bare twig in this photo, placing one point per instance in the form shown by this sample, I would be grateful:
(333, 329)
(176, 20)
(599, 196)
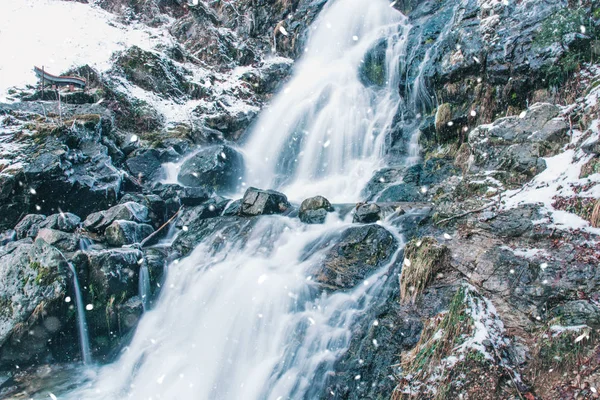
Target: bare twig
(443, 221)
(153, 234)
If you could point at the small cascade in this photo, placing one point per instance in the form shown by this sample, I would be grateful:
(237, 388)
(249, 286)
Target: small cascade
(84, 340)
(84, 243)
(144, 287)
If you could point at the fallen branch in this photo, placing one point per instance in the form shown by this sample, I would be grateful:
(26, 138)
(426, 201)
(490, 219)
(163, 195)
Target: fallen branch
(153, 234)
(443, 221)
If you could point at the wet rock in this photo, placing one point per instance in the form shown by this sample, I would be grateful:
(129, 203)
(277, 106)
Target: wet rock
(129, 211)
(400, 193)
(158, 211)
(233, 208)
(29, 226)
(144, 164)
(192, 215)
(66, 222)
(193, 196)
(263, 202)
(113, 272)
(7, 237)
(214, 168)
(367, 213)
(129, 313)
(61, 240)
(33, 285)
(66, 167)
(358, 253)
(314, 210)
(230, 227)
(121, 232)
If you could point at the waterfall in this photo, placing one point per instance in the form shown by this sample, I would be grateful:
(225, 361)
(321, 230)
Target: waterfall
(144, 287)
(324, 132)
(242, 318)
(84, 340)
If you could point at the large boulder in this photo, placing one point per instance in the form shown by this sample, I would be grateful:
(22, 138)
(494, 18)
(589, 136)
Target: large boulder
(109, 280)
(66, 222)
(114, 272)
(129, 211)
(121, 232)
(33, 286)
(29, 226)
(263, 202)
(314, 210)
(61, 240)
(367, 213)
(58, 168)
(358, 253)
(514, 147)
(215, 168)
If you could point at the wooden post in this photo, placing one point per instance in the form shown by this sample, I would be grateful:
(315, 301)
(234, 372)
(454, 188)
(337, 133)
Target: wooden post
(43, 82)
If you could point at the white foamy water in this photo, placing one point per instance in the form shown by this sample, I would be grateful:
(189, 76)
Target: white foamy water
(240, 317)
(325, 131)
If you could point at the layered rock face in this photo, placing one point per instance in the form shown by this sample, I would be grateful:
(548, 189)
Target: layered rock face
(489, 242)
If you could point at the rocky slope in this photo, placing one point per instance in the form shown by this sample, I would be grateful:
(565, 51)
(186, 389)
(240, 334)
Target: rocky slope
(496, 294)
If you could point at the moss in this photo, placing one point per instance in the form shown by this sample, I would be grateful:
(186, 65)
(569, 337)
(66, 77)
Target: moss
(44, 275)
(553, 30)
(423, 259)
(6, 308)
(440, 335)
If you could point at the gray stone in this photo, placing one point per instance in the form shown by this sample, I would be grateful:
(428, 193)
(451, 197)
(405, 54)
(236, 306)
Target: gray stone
(33, 285)
(66, 222)
(129, 211)
(263, 202)
(121, 232)
(61, 240)
(314, 210)
(214, 168)
(367, 213)
(29, 226)
(358, 253)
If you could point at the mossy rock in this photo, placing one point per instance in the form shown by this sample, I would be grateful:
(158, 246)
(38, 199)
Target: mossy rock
(423, 259)
(373, 70)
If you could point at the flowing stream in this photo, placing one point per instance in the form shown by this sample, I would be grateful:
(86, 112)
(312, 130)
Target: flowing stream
(84, 340)
(240, 317)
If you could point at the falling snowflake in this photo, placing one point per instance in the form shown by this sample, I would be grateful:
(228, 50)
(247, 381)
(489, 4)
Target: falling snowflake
(89, 307)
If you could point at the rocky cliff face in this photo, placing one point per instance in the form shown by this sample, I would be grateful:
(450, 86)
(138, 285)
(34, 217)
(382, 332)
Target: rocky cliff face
(496, 294)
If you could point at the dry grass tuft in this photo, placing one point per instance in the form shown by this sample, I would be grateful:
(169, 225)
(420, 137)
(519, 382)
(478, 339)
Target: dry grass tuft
(595, 218)
(423, 258)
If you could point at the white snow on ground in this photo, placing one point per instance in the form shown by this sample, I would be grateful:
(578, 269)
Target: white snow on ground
(562, 172)
(59, 35)
(527, 253)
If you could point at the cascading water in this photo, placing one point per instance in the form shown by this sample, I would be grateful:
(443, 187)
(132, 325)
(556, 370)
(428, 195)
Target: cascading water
(84, 340)
(144, 287)
(240, 317)
(324, 133)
